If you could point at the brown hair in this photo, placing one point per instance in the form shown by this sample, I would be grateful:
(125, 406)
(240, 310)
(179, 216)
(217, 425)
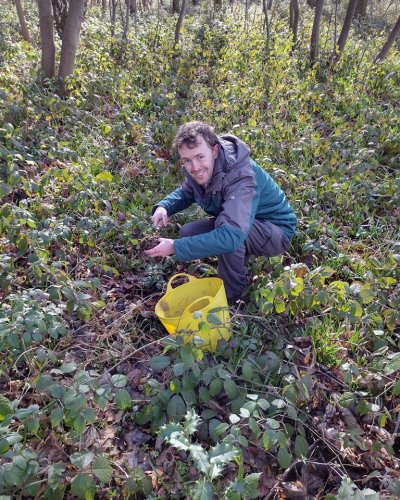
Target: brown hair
(188, 135)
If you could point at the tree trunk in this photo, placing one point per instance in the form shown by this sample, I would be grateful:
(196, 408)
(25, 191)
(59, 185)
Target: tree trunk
(113, 15)
(361, 9)
(71, 37)
(179, 23)
(315, 30)
(103, 7)
(127, 16)
(389, 42)
(47, 37)
(175, 7)
(267, 27)
(21, 16)
(344, 34)
(294, 19)
(217, 5)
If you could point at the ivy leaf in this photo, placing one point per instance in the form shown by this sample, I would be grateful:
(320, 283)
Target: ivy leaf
(203, 491)
(83, 486)
(102, 470)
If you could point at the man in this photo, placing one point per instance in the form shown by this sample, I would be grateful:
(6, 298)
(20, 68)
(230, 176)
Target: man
(250, 215)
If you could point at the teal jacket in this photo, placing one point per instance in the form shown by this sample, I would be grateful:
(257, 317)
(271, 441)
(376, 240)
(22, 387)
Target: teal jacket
(238, 192)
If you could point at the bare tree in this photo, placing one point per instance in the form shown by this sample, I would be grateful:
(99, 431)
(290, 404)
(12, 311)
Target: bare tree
(267, 27)
(47, 37)
(21, 16)
(314, 44)
(127, 16)
(361, 9)
(344, 34)
(70, 37)
(294, 19)
(175, 7)
(389, 42)
(179, 23)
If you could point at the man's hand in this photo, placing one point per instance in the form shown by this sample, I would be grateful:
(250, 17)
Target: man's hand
(164, 248)
(160, 217)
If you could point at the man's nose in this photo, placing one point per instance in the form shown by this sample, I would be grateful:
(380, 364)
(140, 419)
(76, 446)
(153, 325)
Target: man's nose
(195, 165)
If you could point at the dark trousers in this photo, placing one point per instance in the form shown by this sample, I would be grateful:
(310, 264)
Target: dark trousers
(264, 239)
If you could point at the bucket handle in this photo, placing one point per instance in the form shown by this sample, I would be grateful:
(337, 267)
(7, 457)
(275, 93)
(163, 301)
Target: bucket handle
(190, 307)
(190, 278)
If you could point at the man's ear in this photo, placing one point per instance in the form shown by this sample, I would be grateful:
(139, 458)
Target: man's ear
(216, 150)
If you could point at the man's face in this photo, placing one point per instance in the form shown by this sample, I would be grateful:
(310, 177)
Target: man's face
(199, 161)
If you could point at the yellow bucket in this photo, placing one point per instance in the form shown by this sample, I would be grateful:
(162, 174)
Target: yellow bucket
(176, 308)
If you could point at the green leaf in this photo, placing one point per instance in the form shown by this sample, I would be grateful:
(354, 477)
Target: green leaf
(176, 408)
(222, 453)
(396, 388)
(23, 413)
(215, 387)
(203, 491)
(279, 306)
(200, 458)
(43, 382)
(284, 458)
(102, 470)
(5, 408)
(301, 447)
(213, 319)
(269, 439)
(247, 370)
(55, 473)
(83, 486)
(104, 176)
(366, 294)
(57, 391)
(82, 459)
(159, 363)
(57, 416)
(393, 363)
(347, 399)
(64, 369)
(230, 388)
(204, 395)
(123, 399)
(119, 380)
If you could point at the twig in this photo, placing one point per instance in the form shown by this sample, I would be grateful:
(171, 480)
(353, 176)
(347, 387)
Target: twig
(130, 355)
